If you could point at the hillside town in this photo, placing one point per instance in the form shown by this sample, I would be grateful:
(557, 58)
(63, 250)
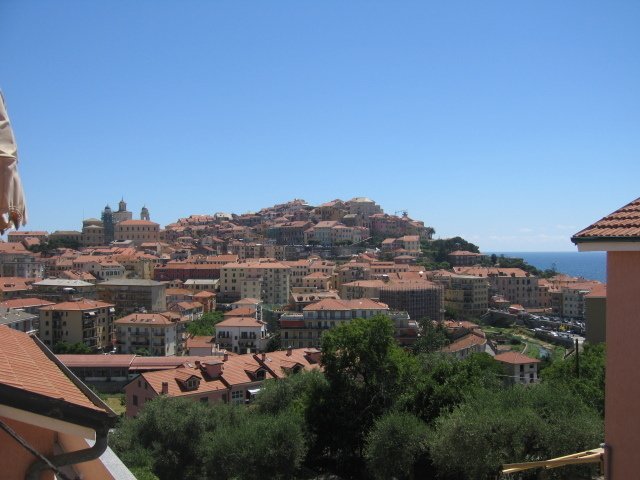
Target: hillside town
(213, 307)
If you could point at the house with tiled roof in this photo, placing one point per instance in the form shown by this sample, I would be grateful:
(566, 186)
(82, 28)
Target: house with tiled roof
(618, 234)
(230, 379)
(519, 368)
(15, 287)
(188, 310)
(50, 420)
(473, 342)
(241, 334)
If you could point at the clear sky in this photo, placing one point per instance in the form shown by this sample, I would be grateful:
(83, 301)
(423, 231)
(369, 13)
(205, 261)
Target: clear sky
(511, 123)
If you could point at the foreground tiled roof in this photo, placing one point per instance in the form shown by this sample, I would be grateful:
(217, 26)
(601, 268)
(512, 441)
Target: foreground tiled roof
(622, 224)
(25, 366)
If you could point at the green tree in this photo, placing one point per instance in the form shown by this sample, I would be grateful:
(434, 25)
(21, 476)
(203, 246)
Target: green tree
(589, 385)
(205, 325)
(164, 437)
(274, 343)
(518, 424)
(292, 392)
(254, 446)
(181, 438)
(445, 382)
(365, 371)
(395, 445)
(432, 337)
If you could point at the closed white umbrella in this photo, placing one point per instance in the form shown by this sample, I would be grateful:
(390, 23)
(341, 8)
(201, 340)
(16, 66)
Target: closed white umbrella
(13, 209)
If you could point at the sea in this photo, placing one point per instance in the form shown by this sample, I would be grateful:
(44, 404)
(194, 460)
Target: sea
(590, 265)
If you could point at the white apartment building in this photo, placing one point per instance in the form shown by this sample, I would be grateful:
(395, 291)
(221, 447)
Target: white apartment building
(241, 334)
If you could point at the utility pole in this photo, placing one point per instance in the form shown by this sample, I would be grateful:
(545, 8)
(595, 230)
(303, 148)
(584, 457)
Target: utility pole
(577, 360)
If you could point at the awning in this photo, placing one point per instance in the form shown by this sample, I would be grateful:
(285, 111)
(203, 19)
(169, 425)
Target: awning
(13, 209)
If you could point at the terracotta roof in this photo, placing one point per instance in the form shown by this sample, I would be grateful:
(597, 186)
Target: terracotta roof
(465, 253)
(117, 360)
(200, 342)
(175, 376)
(189, 305)
(78, 305)
(204, 294)
(239, 322)
(158, 363)
(334, 304)
(623, 224)
(465, 342)
(137, 222)
(240, 312)
(598, 291)
(281, 362)
(147, 319)
(461, 324)
(515, 358)
(26, 303)
(242, 301)
(24, 365)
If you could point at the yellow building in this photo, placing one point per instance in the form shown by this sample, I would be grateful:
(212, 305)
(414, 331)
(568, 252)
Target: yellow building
(82, 321)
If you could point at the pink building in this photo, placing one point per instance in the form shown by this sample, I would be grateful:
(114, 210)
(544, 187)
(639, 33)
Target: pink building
(618, 234)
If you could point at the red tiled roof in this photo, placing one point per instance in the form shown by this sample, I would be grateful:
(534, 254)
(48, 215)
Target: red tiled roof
(515, 358)
(239, 322)
(623, 224)
(240, 312)
(598, 291)
(24, 365)
(334, 304)
(137, 222)
(122, 360)
(147, 319)
(26, 303)
(174, 376)
(200, 342)
(465, 342)
(204, 294)
(282, 361)
(78, 305)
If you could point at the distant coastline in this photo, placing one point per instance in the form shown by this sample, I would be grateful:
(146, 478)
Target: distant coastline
(590, 265)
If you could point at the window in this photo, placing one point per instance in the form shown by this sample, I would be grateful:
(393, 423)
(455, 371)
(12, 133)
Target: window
(237, 396)
(135, 400)
(204, 399)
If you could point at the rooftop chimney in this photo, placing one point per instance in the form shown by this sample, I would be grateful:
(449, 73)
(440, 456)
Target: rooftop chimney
(264, 356)
(289, 351)
(165, 388)
(225, 357)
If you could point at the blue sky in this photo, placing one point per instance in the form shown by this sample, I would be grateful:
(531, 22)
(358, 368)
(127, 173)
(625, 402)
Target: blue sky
(512, 124)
